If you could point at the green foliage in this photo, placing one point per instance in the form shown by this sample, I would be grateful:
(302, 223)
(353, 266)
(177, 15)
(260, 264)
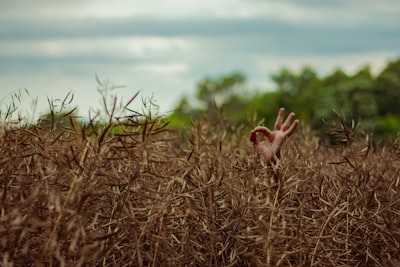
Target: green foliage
(220, 89)
(371, 100)
(388, 126)
(215, 96)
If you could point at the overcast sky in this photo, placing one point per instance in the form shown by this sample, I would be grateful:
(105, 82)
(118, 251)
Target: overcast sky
(163, 48)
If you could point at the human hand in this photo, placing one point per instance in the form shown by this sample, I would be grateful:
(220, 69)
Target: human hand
(270, 148)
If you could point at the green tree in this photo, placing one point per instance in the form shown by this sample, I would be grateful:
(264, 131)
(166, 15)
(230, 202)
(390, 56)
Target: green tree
(215, 96)
(387, 89)
(216, 91)
(288, 81)
(362, 96)
(299, 91)
(387, 95)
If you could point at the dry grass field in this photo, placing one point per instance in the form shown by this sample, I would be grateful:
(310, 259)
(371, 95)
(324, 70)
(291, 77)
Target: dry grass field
(144, 195)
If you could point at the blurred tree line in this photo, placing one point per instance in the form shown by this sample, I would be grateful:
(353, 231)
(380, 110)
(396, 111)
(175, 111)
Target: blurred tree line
(372, 100)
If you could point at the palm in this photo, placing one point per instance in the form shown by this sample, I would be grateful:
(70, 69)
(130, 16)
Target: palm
(270, 147)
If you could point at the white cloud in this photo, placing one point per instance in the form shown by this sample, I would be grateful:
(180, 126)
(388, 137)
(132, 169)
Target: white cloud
(321, 12)
(109, 9)
(165, 47)
(131, 46)
(170, 68)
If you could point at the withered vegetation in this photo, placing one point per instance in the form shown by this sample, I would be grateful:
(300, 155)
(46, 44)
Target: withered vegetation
(134, 193)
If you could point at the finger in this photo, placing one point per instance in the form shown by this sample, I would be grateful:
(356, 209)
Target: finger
(292, 128)
(279, 119)
(264, 130)
(253, 137)
(259, 129)
(288, 121)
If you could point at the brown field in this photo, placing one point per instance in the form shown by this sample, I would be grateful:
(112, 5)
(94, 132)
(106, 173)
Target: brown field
(80, 196)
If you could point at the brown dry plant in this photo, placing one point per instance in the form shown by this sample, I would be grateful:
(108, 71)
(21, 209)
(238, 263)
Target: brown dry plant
(134, 193)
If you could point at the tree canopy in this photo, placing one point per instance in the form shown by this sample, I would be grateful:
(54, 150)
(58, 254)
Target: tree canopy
(373, 100)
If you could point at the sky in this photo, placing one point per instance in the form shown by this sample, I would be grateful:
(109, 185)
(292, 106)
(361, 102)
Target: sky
(163, 48)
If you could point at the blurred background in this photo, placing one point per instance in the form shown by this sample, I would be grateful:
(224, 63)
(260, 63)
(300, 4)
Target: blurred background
(239, 56)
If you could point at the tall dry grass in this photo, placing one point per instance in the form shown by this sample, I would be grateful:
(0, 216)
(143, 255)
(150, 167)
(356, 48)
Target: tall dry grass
(145, 196)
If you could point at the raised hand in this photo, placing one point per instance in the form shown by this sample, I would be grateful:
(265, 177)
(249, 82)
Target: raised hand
(270, 148)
